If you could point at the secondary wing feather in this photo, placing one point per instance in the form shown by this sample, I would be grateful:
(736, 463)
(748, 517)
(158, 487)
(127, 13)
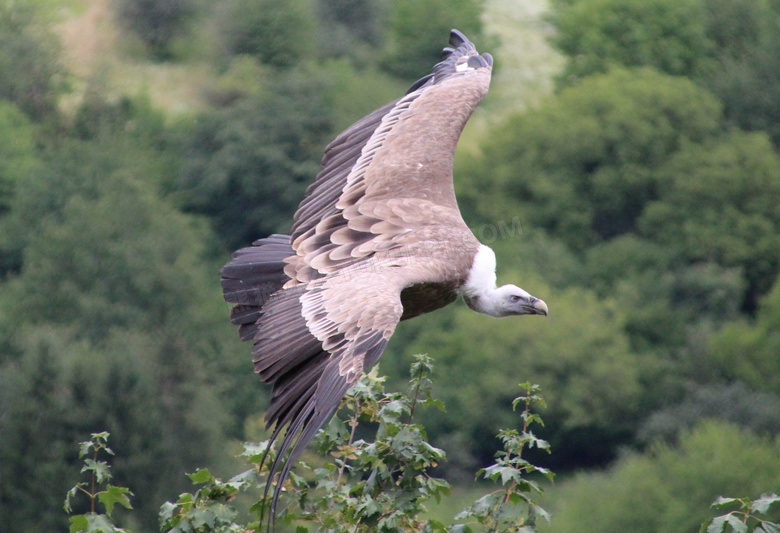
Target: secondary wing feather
(405, 149)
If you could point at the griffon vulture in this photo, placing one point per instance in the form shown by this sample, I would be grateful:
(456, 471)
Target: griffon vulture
(377, 239)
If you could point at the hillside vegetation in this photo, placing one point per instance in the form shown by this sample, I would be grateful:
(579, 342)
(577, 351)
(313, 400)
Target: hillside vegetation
(624, 168)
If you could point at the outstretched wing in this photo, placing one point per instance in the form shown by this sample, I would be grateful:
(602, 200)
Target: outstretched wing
(391, 171)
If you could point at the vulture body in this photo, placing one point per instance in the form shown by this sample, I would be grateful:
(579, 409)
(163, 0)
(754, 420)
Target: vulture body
(377, 239)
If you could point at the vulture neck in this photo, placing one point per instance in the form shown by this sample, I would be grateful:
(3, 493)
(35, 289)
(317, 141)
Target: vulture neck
(479, 291)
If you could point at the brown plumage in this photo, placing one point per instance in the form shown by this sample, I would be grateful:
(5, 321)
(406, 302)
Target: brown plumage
(377, 239)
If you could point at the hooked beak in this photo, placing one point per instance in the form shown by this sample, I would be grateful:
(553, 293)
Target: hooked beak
(537, 307)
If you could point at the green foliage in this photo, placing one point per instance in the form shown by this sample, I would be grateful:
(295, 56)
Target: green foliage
(31, 75)
(361, 17)
(140, 386)
(381, 485)
(157, 22)
(20, 161)
(280, 33)
(745, 518)
(110, 495)
(121, 140)
(505, 510)
(112, 320)
(731, 47)
(756, 412)
(669, 35)
(416, 30)
(668, 488)
(351, 94)
(128, 257)
(352, 28)
(582, 166)
(373, 486)
(246, 166)
(209, 509)
(747, 55)
(729, 190)
(748, 350)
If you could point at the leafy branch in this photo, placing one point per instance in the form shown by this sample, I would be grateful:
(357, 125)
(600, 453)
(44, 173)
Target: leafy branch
(99, 473)
(743, 519)
(505, 510)
(374, 486)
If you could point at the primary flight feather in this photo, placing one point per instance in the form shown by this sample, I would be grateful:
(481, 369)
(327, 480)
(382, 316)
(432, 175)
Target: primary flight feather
(377, 239)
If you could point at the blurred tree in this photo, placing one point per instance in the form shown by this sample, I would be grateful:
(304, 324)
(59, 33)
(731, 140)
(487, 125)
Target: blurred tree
(31, 75)
(669, 35)
(747, 351)
(663, 305)
(581, 166)
(352, 93)
(119, 259)
(114, 137)
(113, 297)
(735, 403)
(246, 166)
(746, 76)
(416, 30)
(138, 384)
(157, 22)
(362, 18)
(277, 32)
(352, 29)
(19, 162)
(731, 47)
(669, 488)
(717, 202)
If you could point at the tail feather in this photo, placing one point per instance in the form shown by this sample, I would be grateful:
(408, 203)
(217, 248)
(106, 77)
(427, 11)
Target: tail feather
(285, 351)
(252, 276)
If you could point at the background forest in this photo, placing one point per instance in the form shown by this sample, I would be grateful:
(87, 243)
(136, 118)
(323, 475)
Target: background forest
(624, 167)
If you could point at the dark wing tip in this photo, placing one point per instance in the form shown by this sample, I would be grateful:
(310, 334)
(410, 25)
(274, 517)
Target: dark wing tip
(453, 58)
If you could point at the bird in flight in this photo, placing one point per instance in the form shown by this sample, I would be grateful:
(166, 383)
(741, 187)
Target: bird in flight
(378, 238)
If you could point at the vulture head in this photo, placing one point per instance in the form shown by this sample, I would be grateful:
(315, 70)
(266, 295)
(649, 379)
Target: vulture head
(481, 294)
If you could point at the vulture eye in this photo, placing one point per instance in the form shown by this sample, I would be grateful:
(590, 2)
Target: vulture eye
(514, 298)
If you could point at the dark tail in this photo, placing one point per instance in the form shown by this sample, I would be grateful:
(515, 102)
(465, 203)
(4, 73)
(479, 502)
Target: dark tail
(285, 352)
(251, 277)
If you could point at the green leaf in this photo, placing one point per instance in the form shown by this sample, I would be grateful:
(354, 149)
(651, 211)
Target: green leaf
(762, 504)
(202, 475)
(717, 524)
(254, 451)
(438, 404)
(544, 514)
(723, 502)
(184, 498)
(84, 448)
(113, 495)
(72, 494)
(92, 523)
(78, 523)
(201, 518)
(736, 524)
(167, 511)
(769, 527)
(100, 468)
(102, 523)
